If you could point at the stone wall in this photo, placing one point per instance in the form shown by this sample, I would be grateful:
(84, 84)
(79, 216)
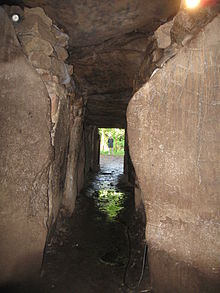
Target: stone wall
(129, 171)
(44, 45)
(41, 137)
(173, 131)
(83, 158)
(25, 155)
(74, 179)
(92, 149)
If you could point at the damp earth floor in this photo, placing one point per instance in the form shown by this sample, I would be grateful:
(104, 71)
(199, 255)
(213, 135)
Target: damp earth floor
(101, 248)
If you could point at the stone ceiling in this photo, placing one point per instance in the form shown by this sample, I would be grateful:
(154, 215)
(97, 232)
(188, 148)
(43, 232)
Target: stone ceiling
(108, 43)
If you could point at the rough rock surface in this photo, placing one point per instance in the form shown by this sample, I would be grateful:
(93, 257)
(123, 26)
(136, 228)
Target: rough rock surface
(108, 42)
(94, 22)
(40, 41)
(25, 155)
(45, 46)
(162, 35)
(101, 110)
(39, 113)
(173, 130)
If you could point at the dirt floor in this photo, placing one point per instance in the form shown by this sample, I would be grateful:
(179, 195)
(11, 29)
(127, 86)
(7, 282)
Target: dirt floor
(101, 249)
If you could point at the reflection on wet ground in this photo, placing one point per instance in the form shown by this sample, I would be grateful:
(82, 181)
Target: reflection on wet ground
(108, 196)
(110, 202)
(101, 247)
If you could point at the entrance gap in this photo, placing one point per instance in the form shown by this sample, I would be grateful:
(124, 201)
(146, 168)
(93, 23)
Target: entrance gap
(111, 199)
(112, 141)
(101, 247)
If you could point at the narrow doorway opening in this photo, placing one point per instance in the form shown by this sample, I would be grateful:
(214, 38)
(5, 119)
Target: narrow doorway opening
(112, 149)
(102, 248)
(112, 141)
(111, 198)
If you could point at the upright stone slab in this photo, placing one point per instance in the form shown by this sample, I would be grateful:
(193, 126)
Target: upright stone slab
(174, 131)
(24, 160)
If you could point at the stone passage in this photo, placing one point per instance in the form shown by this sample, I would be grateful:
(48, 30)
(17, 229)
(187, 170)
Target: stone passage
(90, 251)
(68, 67)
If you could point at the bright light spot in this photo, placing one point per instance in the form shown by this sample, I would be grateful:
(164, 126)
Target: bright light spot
(15, 17)
(192, 3)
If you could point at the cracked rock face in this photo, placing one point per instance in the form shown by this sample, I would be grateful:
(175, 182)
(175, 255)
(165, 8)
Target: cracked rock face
(92, 22)
(39, 109)
(108, 42)
(25, 153)
(173, 125)
(173, 131)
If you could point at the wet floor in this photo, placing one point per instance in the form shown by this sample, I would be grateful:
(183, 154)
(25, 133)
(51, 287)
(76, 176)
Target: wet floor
(101, 248)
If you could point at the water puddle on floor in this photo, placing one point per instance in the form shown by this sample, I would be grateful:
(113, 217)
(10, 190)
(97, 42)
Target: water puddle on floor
(100, 247)
(110, 202)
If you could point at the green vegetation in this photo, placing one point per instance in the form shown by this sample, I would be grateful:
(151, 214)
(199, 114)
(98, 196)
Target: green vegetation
(115, 153)
(118, 136)
(110, 202)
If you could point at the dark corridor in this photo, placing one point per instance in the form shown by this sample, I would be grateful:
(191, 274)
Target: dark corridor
(101, 248)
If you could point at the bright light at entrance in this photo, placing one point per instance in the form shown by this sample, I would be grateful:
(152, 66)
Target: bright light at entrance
(112, 141)
(192, 3)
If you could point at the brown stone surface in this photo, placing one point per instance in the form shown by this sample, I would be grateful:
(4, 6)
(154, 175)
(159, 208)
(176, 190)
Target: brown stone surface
(173, 130)
(162, 35)
(62, 53)
(40, 12)
(59, 166)
(71, 182)
(107, 43)
(36, 44)
(25, 155)
(102, 111)
(37, 112)
(58, 68)
(44, 45)
(33, 25)
(189, 23)
(94, 22)
(107, 78)
(173, 126)
(40, 60)
(62, 39)
(92, 146)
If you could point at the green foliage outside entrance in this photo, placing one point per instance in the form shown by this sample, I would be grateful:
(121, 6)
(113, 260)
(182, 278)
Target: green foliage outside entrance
(118, 136)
